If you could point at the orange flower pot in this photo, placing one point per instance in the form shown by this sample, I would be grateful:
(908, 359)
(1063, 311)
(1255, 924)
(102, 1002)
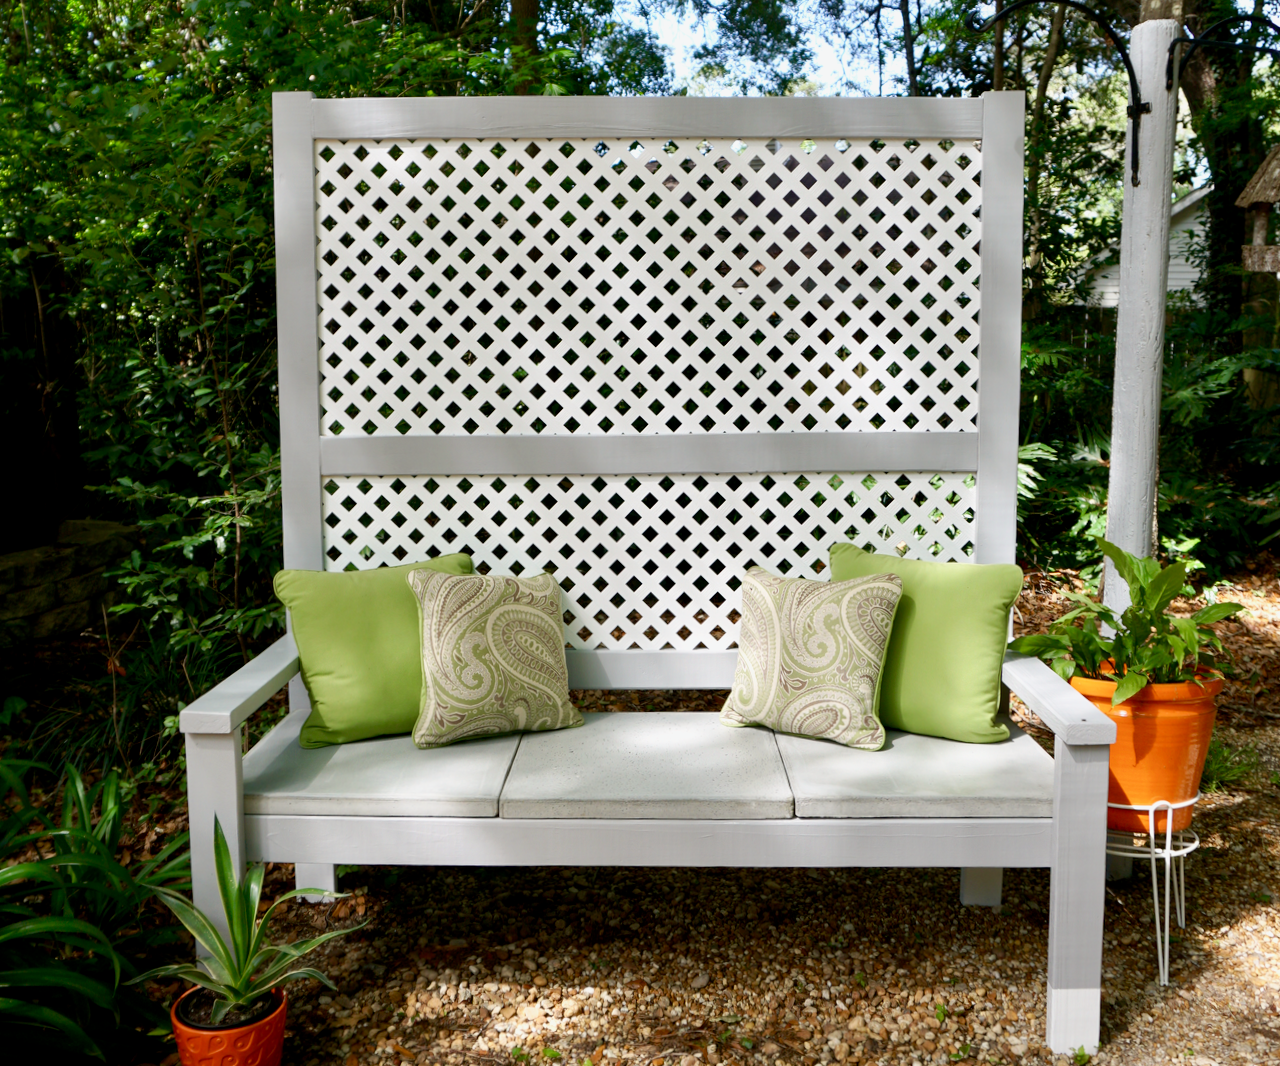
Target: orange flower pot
(1162, 738)
(259, 1043)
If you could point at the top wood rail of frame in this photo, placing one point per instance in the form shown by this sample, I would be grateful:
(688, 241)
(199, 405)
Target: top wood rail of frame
(677, 116)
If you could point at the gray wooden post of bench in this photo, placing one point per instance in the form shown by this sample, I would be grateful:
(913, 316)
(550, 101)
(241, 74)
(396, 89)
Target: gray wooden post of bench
(644, 344)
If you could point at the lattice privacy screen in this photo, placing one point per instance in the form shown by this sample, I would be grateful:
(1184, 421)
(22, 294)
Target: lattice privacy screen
(647, 561)
(583, 287)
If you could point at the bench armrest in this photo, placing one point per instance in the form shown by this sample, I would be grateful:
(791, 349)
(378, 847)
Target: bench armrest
(1071, 717)
(225, 706)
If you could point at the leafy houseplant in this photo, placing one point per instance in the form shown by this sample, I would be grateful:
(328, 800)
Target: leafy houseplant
(1156, 675)
(239, 983)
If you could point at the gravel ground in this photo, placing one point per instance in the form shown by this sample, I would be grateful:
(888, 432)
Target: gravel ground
(685, 967)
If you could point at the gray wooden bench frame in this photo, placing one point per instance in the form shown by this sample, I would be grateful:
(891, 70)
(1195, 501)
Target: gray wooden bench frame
(1071, 843)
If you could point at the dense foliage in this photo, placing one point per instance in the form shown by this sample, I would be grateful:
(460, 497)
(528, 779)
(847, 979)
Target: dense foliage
(71, 917)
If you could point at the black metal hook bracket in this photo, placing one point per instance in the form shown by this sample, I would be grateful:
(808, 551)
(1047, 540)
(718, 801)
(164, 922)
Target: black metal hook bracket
(1204, 41)
(1137, 108)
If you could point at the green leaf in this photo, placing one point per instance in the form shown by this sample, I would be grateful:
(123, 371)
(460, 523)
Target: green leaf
(18, 1012)
(233, 903)
(1041, 645)
(58, 976)
(1125, 564)
(207, 936)
(1129, 684)
(1216, 612)
(1165, 587)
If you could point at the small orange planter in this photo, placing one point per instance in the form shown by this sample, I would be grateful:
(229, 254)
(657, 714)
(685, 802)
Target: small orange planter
(1162, 738)
(260, 1043)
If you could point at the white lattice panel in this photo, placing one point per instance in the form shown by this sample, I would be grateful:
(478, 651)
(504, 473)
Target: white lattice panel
(557, 287)
(650, 561)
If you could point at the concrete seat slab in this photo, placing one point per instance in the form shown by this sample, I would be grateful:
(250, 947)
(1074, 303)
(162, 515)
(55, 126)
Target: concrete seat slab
(383, 777)
(920, 777)
(648, 765)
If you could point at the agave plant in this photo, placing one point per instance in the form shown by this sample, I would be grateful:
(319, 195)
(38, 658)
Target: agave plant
(242, 972)
(1148, 644)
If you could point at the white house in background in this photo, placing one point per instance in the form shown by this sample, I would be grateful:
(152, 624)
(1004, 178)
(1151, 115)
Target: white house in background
(1186, 224)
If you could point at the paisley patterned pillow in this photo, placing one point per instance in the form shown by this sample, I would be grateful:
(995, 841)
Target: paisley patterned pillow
(492, 657)
(810, 656)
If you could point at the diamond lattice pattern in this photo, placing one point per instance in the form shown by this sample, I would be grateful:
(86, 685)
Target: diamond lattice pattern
(556, 287)
(647, 561)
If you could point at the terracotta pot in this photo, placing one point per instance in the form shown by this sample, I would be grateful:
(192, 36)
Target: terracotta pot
(259, 1043)
(1162, 738)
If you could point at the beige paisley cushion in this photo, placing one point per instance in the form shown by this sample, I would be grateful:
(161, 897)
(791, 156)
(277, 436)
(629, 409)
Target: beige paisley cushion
(492, 657)
(810, 656)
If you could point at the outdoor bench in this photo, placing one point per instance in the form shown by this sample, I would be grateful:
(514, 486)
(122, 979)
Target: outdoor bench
(643, 344)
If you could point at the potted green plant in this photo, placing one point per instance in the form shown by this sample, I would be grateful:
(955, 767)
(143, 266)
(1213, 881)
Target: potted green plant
(1152, 672)
(235, 1013)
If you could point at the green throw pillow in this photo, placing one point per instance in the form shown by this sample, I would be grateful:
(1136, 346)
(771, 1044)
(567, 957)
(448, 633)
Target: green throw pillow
(810, 656)
(942, 673)
(492, 657)
(357, 637)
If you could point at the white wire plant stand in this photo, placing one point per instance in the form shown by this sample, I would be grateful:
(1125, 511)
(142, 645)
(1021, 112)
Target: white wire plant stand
(1177, 845)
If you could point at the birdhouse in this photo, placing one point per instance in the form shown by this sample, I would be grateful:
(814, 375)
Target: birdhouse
(1259, 195)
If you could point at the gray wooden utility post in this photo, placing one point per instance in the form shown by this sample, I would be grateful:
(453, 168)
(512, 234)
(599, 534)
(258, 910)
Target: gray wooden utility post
(1144, 269)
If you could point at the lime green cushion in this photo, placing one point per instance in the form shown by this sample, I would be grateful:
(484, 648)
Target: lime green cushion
(942, 671)
(357, 637)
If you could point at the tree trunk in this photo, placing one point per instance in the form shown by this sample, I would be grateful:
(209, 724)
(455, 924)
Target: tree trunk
(1038, 147)
(1218, 85)
(997, 54)
(909, 47)
(524, 34)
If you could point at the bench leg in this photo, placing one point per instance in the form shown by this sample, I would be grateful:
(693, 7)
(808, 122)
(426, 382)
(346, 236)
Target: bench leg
(980, 886)
(215, 786)
(1077, 894)
(316, 875)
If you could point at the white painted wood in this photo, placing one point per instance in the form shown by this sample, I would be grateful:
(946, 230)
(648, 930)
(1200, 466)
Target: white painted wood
(980, 886)
(598, 116)
(677, 287)
(1144, 269)
(719, 453)
(1071, 717)
(215, 787)
(651, 669)
(663, 764)
(225, 706)
(384, 776)
(792, 842)
(1001, 347)
(1077, 895)
(920, 777)
(294, 171)
(322, 875)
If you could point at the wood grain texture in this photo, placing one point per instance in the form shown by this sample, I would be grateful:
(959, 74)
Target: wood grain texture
(1144, 275)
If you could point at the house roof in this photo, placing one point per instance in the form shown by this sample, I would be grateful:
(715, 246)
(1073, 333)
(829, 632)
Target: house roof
(1264, 186)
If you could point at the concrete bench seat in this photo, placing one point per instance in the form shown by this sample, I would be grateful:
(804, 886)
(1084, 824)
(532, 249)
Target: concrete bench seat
(649, 766)
(920, 777)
